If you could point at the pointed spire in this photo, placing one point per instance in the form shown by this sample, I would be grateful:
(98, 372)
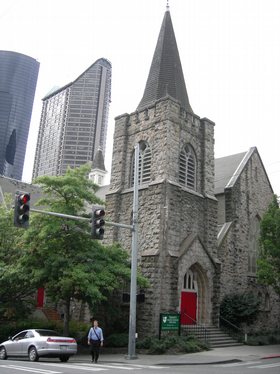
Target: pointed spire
(166, 75)
(98, 162)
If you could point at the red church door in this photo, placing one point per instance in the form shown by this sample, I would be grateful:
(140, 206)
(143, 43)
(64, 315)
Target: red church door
(40, 297)
(188, 308)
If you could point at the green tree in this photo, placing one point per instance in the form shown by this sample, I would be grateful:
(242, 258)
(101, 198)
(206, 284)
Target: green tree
(12, 276)
(268, 270)
(60, 254)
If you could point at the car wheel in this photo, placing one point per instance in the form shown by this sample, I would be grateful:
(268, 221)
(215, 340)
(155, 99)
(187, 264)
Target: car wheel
(64, 358)
(33, 355)
(3, 353)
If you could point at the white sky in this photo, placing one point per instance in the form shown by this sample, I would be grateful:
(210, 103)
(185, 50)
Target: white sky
(229, 49)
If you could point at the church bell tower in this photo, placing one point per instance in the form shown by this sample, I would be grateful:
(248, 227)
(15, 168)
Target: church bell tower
(177, 225)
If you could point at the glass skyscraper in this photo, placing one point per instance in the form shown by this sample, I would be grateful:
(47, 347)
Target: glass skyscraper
(18, 79)
(74, 119)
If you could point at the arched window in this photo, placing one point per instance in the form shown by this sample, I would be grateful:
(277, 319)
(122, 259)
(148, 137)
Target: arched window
(189, 281)
(187, 167)
(145, 161)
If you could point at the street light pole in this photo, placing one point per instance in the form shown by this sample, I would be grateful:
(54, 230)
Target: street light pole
(133, 282)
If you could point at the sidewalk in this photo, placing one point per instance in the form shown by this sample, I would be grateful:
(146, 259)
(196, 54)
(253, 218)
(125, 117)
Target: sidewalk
(216, 355)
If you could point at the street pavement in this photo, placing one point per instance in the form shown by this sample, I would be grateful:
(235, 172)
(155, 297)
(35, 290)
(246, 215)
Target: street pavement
(215, 355)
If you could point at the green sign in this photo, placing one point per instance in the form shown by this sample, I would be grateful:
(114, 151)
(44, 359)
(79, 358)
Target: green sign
(169, 322)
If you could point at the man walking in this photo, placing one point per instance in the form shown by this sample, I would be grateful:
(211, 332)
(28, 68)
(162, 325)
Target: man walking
(95, 340)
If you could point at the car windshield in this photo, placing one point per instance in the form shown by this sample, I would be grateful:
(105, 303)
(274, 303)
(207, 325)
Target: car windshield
(47, 333)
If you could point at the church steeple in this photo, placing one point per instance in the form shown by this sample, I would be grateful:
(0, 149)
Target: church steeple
(98, 171)
(166, 75)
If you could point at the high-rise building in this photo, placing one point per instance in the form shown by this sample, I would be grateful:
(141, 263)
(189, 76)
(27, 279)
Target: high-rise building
(74, 121)
(18, 79)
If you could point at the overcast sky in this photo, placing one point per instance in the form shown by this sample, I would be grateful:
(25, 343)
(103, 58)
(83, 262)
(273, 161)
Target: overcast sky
(229, 49)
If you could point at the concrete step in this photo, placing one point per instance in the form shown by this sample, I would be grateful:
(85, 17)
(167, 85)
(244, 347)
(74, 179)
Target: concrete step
(215, 336)
(51, 314)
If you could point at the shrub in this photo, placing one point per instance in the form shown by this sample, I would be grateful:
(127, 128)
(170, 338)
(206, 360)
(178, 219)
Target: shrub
(240, 308)
(117, 340)
(264, 337)
(79, 331)
(175, 344)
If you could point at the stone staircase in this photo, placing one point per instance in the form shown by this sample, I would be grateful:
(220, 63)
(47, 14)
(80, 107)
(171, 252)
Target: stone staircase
(212, 335)
(51, 314)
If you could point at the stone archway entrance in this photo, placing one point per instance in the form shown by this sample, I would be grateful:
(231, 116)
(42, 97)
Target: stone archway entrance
(195, 297)
(188, 307)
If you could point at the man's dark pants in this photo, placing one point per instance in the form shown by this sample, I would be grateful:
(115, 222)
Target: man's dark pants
(95, 348)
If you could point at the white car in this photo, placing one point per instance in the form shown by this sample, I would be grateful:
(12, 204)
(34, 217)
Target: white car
(38, 343)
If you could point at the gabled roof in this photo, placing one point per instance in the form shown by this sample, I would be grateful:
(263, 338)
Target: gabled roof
(229, 168)
(225, 167)
(166, 75)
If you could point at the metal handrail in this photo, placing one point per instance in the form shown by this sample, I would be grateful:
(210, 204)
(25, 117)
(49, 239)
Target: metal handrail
(203, 328)
(235, 327)
(195, 322)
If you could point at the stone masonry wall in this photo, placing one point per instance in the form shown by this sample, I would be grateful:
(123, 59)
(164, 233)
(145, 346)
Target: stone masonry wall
(166, 127)
(246, 200)
(168, 212)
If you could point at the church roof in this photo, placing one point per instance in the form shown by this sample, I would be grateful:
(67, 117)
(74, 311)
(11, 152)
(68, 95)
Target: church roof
(98, 161)
(166, 75)
(225, 168)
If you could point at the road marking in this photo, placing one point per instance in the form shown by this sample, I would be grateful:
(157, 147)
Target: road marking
(115, 366)
(148, 366)
(265, 366)
(72, 366)
(33, 370)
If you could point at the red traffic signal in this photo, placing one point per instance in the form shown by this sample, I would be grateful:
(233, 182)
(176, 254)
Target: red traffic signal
(21, 210)
(97, 224)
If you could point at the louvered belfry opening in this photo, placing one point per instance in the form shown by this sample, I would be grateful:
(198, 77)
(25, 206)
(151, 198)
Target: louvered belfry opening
(187, 168)
(145, 161)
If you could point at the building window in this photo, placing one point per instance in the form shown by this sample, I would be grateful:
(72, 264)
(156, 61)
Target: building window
(145, 161)
(189, 281)
(187, 167)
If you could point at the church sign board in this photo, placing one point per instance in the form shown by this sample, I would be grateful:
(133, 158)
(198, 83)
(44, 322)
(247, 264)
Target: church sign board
(169, 322)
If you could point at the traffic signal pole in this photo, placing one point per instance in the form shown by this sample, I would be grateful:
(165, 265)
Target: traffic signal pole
(79, 218)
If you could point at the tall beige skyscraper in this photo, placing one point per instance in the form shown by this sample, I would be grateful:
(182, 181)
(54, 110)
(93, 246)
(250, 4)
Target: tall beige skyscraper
(74, 119)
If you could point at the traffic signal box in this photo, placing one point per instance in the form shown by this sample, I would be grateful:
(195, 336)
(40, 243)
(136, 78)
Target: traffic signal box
(98, 223)
(21, 210)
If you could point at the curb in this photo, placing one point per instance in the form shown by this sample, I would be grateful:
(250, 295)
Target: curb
(272, 356)
(125, 362)
(200, 363)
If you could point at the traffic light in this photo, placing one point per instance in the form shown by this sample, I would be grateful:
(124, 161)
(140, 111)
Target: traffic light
(97, 224)
(21, 210)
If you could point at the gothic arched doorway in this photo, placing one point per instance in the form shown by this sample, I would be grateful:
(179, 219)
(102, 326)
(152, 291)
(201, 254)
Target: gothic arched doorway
(194, 297)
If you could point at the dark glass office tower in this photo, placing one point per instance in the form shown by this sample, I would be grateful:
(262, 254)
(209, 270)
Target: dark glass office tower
(18, 79)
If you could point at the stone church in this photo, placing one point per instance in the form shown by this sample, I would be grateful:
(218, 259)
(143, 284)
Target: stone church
(199, 218)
